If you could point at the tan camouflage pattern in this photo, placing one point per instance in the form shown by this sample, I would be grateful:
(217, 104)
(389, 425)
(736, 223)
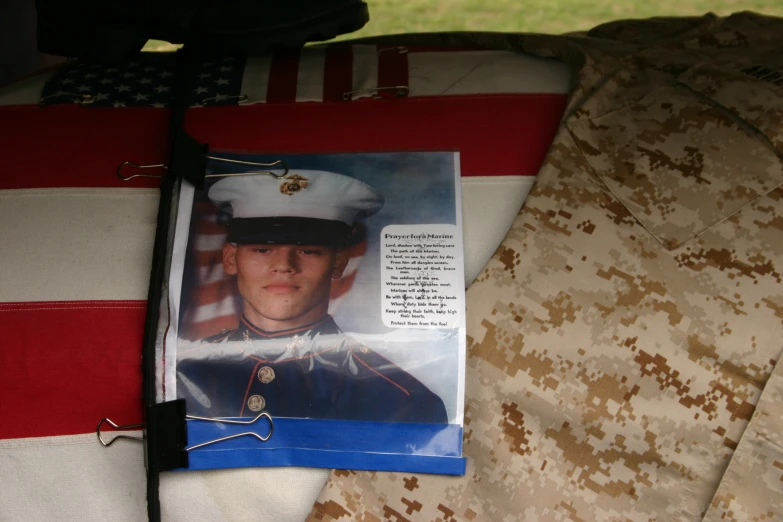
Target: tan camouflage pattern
(756, 469)
(629, 325)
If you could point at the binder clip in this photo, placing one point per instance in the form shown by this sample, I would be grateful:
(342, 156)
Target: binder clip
(165, 168)
(167, 446)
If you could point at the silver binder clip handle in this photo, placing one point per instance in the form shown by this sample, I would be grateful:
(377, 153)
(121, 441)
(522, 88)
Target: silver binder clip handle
(139, 175)
(116, 427)
(123, 166)
(280, 163)
(237, 435)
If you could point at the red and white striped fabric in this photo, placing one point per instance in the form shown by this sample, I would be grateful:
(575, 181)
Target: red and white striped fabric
(77, 249)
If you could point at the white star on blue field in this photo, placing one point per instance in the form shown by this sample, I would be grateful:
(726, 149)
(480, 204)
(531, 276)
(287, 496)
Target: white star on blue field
(146, 82)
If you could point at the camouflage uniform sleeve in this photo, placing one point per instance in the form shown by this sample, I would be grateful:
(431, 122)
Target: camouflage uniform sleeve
(620, 339)
(752, 487)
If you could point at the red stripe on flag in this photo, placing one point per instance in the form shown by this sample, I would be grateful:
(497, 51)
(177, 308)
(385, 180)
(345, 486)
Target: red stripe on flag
(392, 70)
(496, 135)
(283, 74)
(67, 364)
(338, 72)
(74, 146)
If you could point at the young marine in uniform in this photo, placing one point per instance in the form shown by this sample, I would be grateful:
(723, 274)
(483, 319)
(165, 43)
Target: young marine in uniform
(288, 357)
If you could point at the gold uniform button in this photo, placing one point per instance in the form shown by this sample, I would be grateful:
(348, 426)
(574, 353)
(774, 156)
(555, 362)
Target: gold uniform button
(256, 403)
(266, 374)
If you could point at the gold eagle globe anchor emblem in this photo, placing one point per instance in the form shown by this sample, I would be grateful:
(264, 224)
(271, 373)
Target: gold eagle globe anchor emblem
(293, 183)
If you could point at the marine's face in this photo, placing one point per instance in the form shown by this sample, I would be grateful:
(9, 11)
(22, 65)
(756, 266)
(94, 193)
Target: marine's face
(284, 286)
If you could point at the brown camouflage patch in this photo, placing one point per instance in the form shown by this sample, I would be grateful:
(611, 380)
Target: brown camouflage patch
(618, 371)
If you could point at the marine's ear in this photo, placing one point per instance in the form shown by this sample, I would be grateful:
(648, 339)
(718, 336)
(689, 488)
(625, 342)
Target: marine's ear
(230, 258)
(340, 262)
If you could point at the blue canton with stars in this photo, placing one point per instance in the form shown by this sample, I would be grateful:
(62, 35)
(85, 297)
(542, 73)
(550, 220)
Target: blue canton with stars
(147, 81)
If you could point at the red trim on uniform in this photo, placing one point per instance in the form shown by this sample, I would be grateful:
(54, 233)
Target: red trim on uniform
(395, 365)
(392, 70)
(353, 352)
(283, 76)
(338, 72)
(282, 333)
(65, 365)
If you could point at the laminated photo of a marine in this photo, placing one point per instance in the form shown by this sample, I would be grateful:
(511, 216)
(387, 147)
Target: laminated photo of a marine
(286, 244)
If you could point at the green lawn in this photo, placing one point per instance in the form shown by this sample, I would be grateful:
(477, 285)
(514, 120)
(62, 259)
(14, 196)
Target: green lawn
(541, 16)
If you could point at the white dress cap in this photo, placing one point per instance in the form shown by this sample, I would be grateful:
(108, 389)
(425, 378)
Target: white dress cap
(315, 194)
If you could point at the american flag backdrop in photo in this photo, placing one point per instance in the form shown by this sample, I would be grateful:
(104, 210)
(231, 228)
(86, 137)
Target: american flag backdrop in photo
(210, 302)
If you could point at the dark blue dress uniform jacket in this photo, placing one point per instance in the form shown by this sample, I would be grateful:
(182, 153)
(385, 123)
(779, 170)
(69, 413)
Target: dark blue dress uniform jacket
(330, 376)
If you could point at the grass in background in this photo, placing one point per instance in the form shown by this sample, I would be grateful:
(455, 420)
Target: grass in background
(526, 16)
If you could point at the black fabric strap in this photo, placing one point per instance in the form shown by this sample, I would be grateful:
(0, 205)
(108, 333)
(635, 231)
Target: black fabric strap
(187, 157)
(186, 161)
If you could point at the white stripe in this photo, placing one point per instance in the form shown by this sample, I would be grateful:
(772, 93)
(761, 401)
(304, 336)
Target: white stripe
(352, 265)
(365, 70)
(96, 243)
(72, 478)
(249, 494)
(483, 231)
(210, 242)
(485, 72)
(211, 274)
(310, 79)
(76, 244)
(210, 311)
(255, 79)
(75, 478)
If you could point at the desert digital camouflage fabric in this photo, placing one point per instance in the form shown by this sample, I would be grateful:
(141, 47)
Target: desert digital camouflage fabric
(622, 343)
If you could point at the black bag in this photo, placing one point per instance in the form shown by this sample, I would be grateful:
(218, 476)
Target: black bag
(117, 30)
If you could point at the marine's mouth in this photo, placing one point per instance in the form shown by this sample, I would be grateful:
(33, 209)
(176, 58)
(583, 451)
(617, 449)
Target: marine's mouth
(281, 288)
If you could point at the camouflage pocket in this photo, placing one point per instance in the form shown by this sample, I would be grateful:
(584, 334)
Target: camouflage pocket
(753, 92)
(679, 163)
